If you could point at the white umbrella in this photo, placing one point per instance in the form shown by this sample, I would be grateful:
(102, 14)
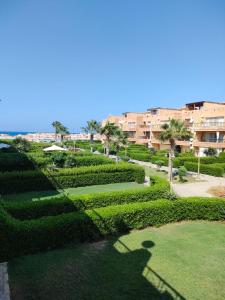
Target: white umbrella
(55, 148)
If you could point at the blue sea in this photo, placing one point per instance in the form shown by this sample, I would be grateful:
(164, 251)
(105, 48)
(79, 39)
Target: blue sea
(13, 133)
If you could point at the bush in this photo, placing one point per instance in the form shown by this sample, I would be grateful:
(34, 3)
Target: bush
(205, 169)
(21, 144)
(164, 160)
(15, 162)
(64, 204)
(140, 156)
(30, 236)
(210, 152)
(159, 163)
(59, 159)
(14, 182)
(182, 172)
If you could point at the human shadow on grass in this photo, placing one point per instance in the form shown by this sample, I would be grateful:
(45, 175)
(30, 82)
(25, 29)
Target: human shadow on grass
(89, 272)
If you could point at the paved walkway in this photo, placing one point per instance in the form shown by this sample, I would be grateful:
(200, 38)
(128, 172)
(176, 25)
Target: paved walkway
(4, 285)
(199, 188)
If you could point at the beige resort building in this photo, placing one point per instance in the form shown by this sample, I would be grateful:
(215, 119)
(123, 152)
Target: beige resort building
(205, 119)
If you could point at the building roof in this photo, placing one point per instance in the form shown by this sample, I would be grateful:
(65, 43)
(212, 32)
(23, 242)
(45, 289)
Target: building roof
(155, 108)
(205, 101)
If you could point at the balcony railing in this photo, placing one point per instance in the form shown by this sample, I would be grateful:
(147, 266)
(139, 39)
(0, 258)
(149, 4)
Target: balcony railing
(212, 140)
(208, 125)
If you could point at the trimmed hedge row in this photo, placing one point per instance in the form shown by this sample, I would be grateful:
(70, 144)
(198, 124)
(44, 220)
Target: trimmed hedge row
(205, 169)
(140, 156)
(91, 160)
(30, 236)
(163, 159)
(14, 182)
(15, 161)
(64, 204)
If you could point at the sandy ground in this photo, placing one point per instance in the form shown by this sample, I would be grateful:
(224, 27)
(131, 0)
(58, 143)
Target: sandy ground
(198, 188)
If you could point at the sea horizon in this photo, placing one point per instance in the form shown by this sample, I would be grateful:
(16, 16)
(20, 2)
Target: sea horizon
(14, 133)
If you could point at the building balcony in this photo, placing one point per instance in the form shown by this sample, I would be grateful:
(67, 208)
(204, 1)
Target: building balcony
(145, 127)
(156, 127)
(183, 143)
(156, 141)
(210, 126)
(128, 128)
(211, 143)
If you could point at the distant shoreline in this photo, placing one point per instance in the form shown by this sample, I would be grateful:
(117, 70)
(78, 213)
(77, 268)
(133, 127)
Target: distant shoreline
(14, 133)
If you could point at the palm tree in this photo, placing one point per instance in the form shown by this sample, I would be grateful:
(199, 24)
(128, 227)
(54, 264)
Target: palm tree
(173, 131)
(109, 131)
(92, 128)
(60, 129)
(119, 141)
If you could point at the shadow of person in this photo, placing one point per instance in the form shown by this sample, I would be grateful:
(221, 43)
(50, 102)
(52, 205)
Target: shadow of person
(105, 270)
(121, 275)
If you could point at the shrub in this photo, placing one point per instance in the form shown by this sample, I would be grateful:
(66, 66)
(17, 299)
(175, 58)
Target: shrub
(159, 163)
(164, 160)
(21, 144)
(205, 169)
(140, 156)
(182, 171)
(15, 162)
(210, 152)
(14, 182)
(30, 236)
(64, 204)
(59, 159)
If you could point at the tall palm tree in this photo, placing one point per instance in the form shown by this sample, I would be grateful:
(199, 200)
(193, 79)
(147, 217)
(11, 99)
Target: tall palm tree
(108, 131)
(60, 129)
(173, 131)
(119, 141)
(92, 128)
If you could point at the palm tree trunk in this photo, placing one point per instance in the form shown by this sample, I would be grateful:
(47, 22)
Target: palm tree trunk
(107, 147)
(91, 141)
(170, 162)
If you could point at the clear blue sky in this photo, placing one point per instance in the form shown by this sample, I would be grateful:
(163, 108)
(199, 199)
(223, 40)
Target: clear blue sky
(73, 60)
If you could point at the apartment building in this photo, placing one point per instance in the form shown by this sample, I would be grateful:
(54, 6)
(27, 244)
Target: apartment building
(205, 119)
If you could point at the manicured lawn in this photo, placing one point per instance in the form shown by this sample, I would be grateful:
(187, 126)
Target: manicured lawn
(176, 261)
(78, 191)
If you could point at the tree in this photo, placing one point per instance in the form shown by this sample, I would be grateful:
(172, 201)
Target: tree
(173, 131)
(92, 128)
(210, 152)
(60, 129)
(109, 131)
(21, 144)
(119, 141)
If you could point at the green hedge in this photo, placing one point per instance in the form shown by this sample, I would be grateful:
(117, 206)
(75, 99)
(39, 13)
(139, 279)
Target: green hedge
(63, 204)
(140, 156)
(30, 236)
(205, 169)
(160, 158)
(14, 182)
(92, 160)
(221, 165)
(15, 162)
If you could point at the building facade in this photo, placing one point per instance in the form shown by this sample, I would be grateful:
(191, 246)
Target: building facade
(205, 119)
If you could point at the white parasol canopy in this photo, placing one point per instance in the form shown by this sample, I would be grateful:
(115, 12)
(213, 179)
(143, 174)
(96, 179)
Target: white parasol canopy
(55, 148)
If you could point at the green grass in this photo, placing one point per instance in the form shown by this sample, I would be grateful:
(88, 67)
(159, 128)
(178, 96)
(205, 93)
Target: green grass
(185, 260)
(31, 196)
